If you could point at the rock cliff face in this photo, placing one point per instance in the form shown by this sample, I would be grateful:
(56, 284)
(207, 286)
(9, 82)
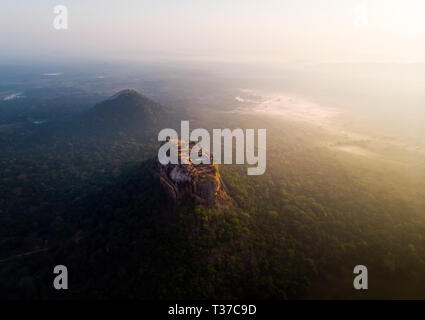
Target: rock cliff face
(201, 183)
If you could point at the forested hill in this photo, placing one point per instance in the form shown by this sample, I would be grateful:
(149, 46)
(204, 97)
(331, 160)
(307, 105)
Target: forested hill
(127, 115)
(124, 111)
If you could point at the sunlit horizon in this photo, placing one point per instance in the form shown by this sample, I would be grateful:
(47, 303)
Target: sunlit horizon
(325, 31)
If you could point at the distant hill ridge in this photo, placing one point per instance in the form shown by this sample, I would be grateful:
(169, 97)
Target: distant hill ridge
(128, 107)
(127, 112)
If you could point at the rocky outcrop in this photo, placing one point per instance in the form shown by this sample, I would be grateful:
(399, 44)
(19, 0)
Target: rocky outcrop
(201, 183)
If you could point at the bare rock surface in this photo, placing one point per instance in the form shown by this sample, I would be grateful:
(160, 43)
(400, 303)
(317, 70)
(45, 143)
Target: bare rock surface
(201, 183)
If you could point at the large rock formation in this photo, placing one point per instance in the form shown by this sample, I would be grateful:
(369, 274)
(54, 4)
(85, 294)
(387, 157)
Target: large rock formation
(201, 183)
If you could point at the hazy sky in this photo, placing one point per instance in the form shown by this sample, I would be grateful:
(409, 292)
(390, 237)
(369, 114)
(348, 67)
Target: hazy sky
(237, 30)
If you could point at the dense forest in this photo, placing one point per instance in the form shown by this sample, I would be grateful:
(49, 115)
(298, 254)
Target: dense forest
(88, 199)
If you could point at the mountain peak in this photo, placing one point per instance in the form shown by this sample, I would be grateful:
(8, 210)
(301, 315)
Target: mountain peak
(123, 93)
(126, 111)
